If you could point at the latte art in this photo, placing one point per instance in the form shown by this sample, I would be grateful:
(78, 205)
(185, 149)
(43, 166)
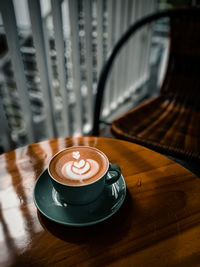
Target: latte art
(78, 165)
(80, 170)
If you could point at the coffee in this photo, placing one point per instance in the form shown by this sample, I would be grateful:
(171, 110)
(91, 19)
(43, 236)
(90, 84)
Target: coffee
(78, 165)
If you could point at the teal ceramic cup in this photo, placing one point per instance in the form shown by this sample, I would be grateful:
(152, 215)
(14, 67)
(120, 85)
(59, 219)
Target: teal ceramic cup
(85, 193)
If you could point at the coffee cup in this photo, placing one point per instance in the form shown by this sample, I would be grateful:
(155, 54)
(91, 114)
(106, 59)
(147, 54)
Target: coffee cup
(80, 173)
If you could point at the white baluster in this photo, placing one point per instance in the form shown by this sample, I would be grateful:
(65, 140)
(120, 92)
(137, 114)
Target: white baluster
(87, 8)
(41, 57)
(73, 15)
(59, 43)
(10, 25)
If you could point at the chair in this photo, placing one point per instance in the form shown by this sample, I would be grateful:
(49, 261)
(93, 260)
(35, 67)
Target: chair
(170, 122)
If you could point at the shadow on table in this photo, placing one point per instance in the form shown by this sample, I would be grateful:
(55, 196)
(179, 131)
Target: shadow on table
(106, 232)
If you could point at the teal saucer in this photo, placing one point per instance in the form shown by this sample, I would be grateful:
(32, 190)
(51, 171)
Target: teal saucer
(51, 206)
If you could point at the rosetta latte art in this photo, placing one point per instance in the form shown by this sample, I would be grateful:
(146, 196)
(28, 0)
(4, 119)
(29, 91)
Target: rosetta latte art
(80, 169)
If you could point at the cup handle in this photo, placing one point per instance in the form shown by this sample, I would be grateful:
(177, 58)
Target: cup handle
(114, 173)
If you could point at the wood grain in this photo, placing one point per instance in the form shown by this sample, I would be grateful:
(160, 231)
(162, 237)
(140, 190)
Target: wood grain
(159, 222)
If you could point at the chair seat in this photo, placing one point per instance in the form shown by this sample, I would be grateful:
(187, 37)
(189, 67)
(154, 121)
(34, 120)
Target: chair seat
(168, 126)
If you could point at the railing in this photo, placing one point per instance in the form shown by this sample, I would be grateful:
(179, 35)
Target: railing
(49, 73)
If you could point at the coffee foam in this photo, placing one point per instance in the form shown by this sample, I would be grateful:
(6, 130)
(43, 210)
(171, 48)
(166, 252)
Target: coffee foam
(78, 165)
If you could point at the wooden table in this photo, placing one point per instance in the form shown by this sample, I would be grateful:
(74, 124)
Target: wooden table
(159, 222)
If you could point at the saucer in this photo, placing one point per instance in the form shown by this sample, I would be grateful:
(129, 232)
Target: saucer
(53, 207)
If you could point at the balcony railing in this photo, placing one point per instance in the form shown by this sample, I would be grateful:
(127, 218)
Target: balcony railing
(49, 73)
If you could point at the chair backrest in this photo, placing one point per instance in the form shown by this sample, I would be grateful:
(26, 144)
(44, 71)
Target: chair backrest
(182, 80)
(180, 44)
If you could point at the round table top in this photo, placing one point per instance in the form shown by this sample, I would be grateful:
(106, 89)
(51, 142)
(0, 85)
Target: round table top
(158, 223)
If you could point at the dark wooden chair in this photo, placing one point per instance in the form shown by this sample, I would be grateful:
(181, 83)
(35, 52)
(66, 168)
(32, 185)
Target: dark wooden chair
(169, 123)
